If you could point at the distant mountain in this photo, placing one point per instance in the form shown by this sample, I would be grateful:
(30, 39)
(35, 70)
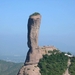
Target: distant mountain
(9, 68)
(13, 58)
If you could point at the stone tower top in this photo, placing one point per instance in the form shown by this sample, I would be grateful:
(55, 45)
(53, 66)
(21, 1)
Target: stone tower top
(35, 16)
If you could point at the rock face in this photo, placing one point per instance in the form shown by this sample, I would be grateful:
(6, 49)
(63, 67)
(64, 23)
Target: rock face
(33, 31)
(35, 52)
(29, 70)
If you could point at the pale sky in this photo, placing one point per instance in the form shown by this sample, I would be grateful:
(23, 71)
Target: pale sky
(57, 24)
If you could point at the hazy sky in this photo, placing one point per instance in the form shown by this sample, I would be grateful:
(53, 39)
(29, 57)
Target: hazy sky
(57, 24)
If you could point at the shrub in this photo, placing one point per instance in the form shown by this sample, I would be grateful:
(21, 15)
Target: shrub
(54, 64)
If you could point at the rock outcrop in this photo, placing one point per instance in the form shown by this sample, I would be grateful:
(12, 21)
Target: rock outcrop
(33, 31)
(35, 52)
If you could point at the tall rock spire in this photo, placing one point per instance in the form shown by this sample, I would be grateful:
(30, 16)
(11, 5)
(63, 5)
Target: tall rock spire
(33, 30)
(35, 53)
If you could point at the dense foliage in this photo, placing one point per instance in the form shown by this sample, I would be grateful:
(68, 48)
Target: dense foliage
(34, 14)
(72, 66)
(54, 64)
(9, 68)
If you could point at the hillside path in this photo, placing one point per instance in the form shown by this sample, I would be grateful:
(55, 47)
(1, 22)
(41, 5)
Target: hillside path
(68, 64)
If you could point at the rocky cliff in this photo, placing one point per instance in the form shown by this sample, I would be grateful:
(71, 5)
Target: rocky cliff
(35, 53)
(33, 31)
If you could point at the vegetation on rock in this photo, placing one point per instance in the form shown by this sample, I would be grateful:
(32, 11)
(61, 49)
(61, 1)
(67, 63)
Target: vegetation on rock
(34, 14)
(54, 64)
(72, 66)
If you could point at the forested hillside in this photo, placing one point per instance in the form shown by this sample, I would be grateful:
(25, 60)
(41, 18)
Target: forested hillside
(9, 68)
(72, 66)
(56, 64)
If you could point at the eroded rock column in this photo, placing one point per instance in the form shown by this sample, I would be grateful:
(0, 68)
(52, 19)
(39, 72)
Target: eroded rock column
(33, 26)
(33, 30)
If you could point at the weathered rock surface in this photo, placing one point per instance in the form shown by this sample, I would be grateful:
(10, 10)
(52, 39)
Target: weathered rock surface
(30, 70)
(35, 52)
(33, 31)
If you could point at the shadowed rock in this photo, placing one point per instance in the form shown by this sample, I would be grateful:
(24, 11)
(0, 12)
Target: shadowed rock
(33, 30)
(35, 53)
